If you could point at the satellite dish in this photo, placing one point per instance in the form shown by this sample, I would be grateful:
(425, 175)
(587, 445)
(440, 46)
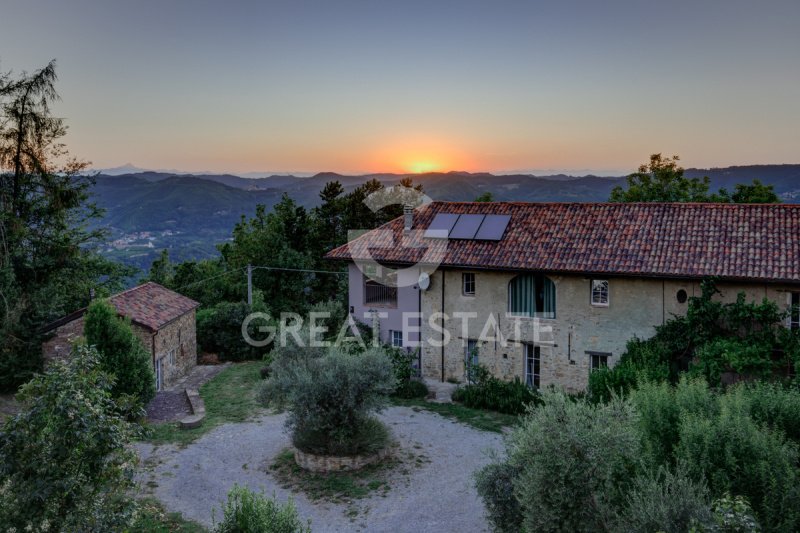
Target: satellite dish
(424, 281)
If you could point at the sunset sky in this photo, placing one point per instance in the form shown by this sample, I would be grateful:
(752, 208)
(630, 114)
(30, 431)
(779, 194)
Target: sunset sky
(417, 85)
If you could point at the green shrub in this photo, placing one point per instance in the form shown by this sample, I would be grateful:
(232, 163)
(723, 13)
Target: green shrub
(219, 331)
(495, 485)
(661, 406)
(65, 463)
(411, 389)
(332, 316)
(658, 420)
(642, 361)
(402, 365)
(121, 352)
(488, 392)
(666, 502)
(249, 512)
(775, 406)
(745, 357)
(575, 462)
(331, 396)
(732, 515)
(735, 455)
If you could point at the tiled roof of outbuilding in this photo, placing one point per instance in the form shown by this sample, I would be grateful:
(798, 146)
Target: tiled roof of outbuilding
(730, 241)
(152, 305)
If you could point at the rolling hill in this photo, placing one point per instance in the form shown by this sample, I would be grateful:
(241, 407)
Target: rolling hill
(191, 214)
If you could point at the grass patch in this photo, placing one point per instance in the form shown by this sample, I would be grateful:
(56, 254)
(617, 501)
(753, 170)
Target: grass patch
(477, 418)
(152, 518)
(336, 487)
(229, 397)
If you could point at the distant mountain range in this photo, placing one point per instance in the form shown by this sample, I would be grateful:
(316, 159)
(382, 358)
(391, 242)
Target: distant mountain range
(190, 214)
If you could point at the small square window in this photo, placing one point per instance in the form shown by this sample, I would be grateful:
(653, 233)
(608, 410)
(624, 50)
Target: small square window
(468, 283)
(600, 292)
(172, 357)
(397, 338)
(599, 360)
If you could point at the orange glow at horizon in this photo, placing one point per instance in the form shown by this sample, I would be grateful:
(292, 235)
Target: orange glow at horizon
(410, 157)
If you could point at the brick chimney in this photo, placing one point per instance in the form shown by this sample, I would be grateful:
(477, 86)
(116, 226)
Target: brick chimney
(408, 217)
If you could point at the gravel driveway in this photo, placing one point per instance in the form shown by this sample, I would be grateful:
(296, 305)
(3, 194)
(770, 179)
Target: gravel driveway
(437, 495)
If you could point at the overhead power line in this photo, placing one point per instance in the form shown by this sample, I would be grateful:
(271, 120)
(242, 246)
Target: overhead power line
(210, 278)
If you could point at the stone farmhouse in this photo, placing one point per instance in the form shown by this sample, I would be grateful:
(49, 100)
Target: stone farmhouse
(162, 319)
(547, 292)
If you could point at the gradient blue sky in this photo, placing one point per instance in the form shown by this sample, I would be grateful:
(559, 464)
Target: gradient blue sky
(389, 86)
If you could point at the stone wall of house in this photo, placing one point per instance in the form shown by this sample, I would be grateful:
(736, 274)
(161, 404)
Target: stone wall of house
(176, 347)
(59, 345)
(635, 307)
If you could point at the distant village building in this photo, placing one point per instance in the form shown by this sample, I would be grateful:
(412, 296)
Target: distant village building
(162, 319)
(569, 284)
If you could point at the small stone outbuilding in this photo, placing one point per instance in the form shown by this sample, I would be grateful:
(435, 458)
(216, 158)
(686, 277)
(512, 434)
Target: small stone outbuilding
(164, 321)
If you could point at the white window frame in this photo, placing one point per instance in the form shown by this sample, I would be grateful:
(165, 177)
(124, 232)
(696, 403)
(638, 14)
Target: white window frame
(466, 279)
(532, 354)
(393, 337)
(598, 283)
(171, 356)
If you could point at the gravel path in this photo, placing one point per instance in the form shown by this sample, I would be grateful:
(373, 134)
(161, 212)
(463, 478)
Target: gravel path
(437, 495)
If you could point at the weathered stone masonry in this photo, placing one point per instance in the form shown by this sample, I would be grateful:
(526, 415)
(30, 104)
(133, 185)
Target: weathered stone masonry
(635, 307)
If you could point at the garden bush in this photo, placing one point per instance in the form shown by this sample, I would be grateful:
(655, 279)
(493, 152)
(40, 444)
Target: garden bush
(65, 464)
(406, 385)
(495, 485)
(411, 389)
(574, 462)
(736, 455)
(489, 392)
(661, 406)
(121, 353)
(731, 514)
(250, 512)
(332, 315)
(652, 461)
(331, 396)
(219, 330)
(666, 502)
(643, 360)
(774, 405)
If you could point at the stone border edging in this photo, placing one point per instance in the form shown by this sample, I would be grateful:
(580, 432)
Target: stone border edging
(334, 463)
(198, 410)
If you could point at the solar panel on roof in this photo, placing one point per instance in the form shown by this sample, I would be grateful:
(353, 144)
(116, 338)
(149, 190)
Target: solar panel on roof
(466, 226)
(441, 225)
(493, 227)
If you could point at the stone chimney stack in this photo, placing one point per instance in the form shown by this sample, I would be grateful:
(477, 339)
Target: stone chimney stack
(408, 217)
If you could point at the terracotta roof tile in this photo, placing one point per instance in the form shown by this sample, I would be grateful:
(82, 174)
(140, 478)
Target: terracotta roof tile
(729, 241)
(152, 305)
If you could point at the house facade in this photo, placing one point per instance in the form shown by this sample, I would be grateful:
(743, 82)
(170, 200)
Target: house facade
(558, 290)
(162, 319)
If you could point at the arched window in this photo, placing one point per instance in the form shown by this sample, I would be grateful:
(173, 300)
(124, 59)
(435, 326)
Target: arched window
(532, 295)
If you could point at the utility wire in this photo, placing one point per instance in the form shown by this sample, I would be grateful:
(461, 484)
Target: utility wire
(340, 273)
(255, 267)
(212, 277)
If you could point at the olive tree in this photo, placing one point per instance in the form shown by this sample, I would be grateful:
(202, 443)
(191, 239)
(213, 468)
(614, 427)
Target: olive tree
(331, 396)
